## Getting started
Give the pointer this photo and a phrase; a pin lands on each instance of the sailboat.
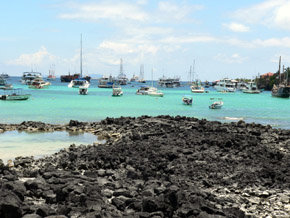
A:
(80, 82)
(282, 90)
(51, 74)
(196, 86)
(153, 91)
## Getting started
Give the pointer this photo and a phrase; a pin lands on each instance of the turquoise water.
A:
(59, 104)
(14, 143)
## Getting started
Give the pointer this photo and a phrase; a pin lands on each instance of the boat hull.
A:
(282, 92)
(15, 97)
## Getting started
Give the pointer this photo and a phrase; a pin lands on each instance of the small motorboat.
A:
(38, 83)
(14, 95)
(216, 103)
(187, 100)
(117, 90)
(83, 90)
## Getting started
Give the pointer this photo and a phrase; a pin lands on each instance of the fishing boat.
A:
(83, 90)
(251, 88)
(28, 77)
(80, 81)
(14, 95)
(106, 82)
(282, 90)
(4, 84)
(38, 83)
(187, 100)
(225, 85)
(216, 103)
(117, 90)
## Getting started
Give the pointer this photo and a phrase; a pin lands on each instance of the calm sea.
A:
(59, 104)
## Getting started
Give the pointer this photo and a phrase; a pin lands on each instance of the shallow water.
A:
(59, 104)
(14, 143)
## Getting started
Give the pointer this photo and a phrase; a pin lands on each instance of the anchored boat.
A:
(38, 83)
(251, 89)
(187, 100)
(14, 95)
(4, 84)
(216, 103)
(117, 90)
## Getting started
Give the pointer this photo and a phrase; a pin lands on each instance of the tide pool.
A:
(14, 143)
(59, 104)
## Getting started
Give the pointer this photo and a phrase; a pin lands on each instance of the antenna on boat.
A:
(81, 57)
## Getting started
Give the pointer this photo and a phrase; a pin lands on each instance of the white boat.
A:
(83, 90)
(28, 77)
(38, 83)
(187, 100)
(4, 75)
(80, 81)
(4, 84)
(117, 90)
(216, 103)
(106, 82)
(197, 87)
(77, 83)
(152, 90)
(14, 95)
(169, 82)
(144, 90)
(225, 85)
(251, 89)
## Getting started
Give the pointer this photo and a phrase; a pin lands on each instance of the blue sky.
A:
(225, 38)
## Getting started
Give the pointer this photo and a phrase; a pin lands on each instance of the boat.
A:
(83, 90)
(197, 87)
(187, 100)
(28, 77)
(121, 78)
(68, 78)
(282, 90)
(14, 95)
(242, 86)
(4, 84)
(251, 88)
(80, 81)
(106, 82)
(169, 82)
(225, 85)
(154, 91)
(216, 103)
(144, 90)
(51, 75)
(117, 90)
(4, 75)
(141, 76)
(38, 83)
(134, 78)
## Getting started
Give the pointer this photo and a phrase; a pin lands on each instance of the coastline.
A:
(153, 166)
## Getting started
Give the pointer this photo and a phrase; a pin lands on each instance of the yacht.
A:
(169, 82)
(77, 83)
(80, 81)
(4, 84)
(197, 87)
(117, 90)
(4, 75)
(28, 77)
(251, 89)
(225, 85)
(106, 82)
(38, 83)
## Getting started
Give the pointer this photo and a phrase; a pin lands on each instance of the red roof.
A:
(267, 74)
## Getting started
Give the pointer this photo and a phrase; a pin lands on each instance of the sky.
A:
(224, 38)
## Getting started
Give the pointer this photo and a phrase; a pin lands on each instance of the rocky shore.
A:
(153, 167)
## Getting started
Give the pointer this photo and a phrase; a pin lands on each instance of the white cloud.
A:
(188, 39)
(234, 58)
(33, 59)
(237, 27)
(272, 13)
(111, 11)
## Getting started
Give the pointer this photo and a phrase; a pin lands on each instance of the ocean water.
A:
(59, 104)
(14, 143)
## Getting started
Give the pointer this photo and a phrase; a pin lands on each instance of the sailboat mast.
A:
(280, 70)
(81, 59)
(152, 77)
